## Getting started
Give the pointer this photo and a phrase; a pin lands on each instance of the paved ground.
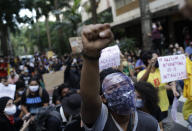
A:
(181, 125)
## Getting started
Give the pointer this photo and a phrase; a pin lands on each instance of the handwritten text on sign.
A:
(110, 57)
(8, 91)
(172, 68)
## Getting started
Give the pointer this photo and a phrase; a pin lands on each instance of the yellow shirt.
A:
(155, 80)
(187, 92)
(187, 109)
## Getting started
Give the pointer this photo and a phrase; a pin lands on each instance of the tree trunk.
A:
(4, 41)
(48, 32)
(56, 7)
(59, 31)
(94, 11)
(146, 24)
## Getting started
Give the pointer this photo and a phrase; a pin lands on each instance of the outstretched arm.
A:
(95, 38)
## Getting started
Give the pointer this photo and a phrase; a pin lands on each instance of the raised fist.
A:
(95, 38)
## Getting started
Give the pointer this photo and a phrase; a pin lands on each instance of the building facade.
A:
(126, 16)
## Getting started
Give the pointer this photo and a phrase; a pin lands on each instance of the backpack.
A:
(73, 124)
(43, 115)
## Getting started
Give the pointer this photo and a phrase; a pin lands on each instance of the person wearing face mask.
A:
(147, 99)
(7, 121)
(13, 77)
(20, 88)
(26, 77)
(152, 75)
(117, 90)
(33, 98)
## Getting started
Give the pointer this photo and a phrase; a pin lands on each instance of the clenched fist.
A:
(95, 38)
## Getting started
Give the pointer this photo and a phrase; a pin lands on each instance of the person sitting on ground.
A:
(70, 112)
(26, 77)
(20, 88)
(62, 91)
(34, 97)
(13, 77)
(62, 117)
(119, 113)
(7, 111)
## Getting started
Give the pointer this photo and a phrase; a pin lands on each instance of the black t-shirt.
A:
(33, 103)
(26, 79)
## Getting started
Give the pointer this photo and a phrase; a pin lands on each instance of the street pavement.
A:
(181, 124)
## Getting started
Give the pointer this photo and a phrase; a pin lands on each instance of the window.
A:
(122, 3)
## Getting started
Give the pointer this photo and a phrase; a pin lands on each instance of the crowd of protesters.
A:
(145, 105)
(31, 95)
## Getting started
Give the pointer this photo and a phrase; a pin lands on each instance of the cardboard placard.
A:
(8, 91)
(76, 45)
(172, 68)
(110, 57)
(53, 79)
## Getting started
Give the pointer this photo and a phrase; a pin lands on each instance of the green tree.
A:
(71, 20)
(42, 8)
(9, 20)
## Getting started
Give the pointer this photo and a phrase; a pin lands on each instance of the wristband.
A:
(90, 57)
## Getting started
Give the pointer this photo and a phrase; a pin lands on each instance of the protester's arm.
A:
(23, 105)
(45, 98)
(146, 74)
(148, 70)
(95, 38)
(25, 125)
(172, 87)
(24, 109)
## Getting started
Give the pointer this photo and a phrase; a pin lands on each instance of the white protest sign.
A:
(110, 57)
(8, 91)
(172, 68)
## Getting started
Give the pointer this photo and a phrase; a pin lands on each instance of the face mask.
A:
(139, 103)
(34, 88)
(10, 110)
(20, 93)
(119, 92)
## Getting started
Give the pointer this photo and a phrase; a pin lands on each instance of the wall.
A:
(131, 11)
(103, 5)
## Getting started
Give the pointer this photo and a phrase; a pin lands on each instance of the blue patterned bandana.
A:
(118, 89)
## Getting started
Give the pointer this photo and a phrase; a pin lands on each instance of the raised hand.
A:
(95, 38)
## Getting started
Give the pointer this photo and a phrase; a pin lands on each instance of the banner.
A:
(8, 91)
(110, 57)
(76, 45)
(172, 68)
(53, 79)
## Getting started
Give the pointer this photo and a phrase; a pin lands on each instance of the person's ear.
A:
(103, 99)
